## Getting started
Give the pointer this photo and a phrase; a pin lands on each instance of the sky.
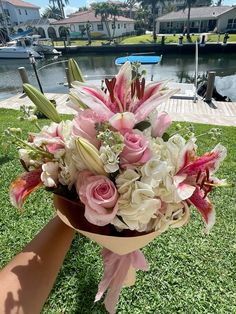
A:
(75, 4)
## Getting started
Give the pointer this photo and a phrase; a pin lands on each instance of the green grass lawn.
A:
(190, 273)
(147, 39)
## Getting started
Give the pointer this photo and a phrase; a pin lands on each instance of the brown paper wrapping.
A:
(72, 214)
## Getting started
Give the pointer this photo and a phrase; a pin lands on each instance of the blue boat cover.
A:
(138, 58)
(21, 34)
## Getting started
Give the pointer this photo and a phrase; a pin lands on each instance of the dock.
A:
(214, 113)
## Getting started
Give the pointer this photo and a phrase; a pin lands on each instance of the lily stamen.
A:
(110, 86)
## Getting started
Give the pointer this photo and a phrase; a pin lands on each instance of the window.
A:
(124, 25)
(6, 11)
(26, 13)
(81, 27)
(19, 11)
(113, 26)
(231, 23)
(100, 27)
(118, 26)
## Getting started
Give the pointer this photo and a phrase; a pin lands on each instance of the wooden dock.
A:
(216, 113)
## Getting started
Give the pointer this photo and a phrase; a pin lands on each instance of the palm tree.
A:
(153, 4)
(104, 10)
(60, 4)
(189, 4)
(114, 11)
(131, 4)
(52, 12)
(141, 18)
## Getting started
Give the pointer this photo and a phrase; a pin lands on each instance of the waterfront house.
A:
(41, 26)
(78, 23)
(202, 19)
(17, 12)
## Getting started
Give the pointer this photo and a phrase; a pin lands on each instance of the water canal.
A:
(178, 68)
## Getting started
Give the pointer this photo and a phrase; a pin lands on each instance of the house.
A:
(202, 19)
(78, 23)
(41, 26)
(17, 12)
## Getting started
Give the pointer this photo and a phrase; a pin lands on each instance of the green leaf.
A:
(165, 137)
(143, 125)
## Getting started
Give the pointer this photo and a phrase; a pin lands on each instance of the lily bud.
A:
(89, 155)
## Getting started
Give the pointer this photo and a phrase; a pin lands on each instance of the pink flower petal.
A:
(205, 208)
(208, 161)
(22, 186)
(149, 91)
(123, 80)
(151, 103)
(161, 124)
(185, 191)
(92, 97)
(123, 121)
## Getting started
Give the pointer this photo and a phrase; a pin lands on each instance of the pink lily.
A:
(194, 181)
(122, 94)
(161, 124)
(51, 136)
(23, 185)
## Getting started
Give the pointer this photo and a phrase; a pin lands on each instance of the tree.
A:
(114, 11)
(141, 18)
(131, 4)
(52, 12)
(104, 10)
(60, 4)
(189, 4)
(154, 9)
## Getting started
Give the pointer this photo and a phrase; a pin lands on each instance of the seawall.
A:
(188, 48)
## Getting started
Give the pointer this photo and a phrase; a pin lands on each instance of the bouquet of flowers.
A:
(117, 176)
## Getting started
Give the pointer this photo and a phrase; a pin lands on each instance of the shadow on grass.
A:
(77, 282)
(5, 159)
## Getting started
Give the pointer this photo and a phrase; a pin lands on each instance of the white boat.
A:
(43, 45)
(17, 50)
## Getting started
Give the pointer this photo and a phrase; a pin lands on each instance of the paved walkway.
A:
(217, 113)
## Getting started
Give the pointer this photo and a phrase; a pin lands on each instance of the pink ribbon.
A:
(115, 271)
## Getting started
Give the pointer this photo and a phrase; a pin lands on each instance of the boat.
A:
(43, 45)
(18, 49)
(141, 58)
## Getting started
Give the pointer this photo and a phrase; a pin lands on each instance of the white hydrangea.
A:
(137, 206)
(68, 171)
(109, 159)
(155, 171)
(49, 175)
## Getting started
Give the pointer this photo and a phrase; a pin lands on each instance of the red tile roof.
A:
(85, 16)
(23, 4)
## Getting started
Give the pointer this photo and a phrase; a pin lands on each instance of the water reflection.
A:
(178, 68)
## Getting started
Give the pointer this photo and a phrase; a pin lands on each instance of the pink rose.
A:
(136, 150)
(84, 126)
(99, 195)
